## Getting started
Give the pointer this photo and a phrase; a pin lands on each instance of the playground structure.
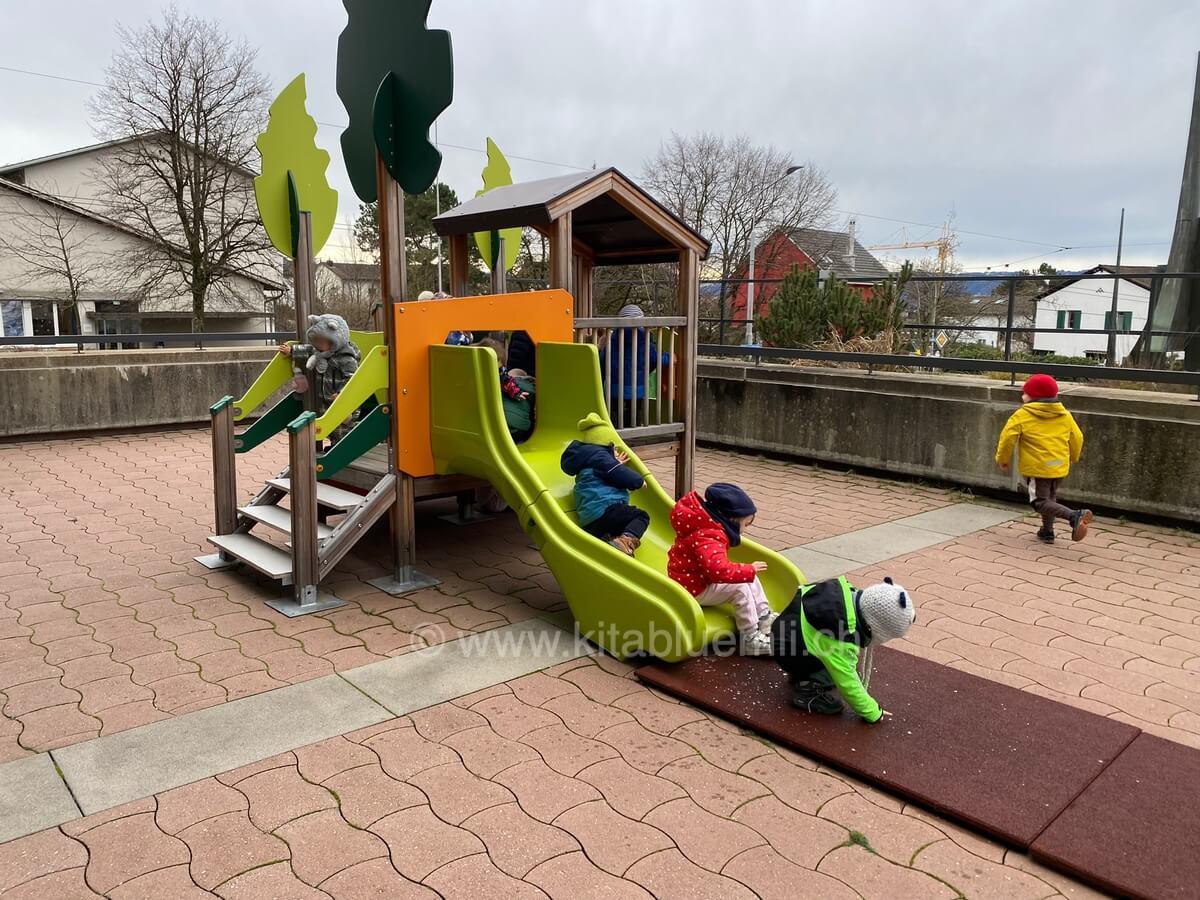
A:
(437, 411)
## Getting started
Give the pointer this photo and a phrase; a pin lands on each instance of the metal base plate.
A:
(471, 519)
(415, 581)
(292, 609)
(215, 561)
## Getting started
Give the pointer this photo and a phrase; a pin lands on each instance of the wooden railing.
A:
(639, 366)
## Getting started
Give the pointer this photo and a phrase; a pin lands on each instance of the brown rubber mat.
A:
(1135, 830)
(1000, 760)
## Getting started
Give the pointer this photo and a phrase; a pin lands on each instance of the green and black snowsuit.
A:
(823, 631)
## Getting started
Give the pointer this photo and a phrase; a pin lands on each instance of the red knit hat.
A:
(1040, 387)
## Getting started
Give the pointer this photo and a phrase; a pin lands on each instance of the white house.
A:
(52, 219)
(1081, 304)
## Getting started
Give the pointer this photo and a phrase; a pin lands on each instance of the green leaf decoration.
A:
(394, 76)
(293, 174)
(497, 174)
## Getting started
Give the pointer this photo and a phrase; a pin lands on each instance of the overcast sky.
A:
(1034, 122)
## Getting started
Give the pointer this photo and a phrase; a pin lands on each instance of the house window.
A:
(117, 318)
(1124, 321)
(1069, 320)
(45, 317)
(12, 318)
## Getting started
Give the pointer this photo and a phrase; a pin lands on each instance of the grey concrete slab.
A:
(129, 765)
(962, 518)
(868, 546)
(445, 671)
(32, 796)
(818, 566)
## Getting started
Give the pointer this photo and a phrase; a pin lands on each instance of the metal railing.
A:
(137, 340)
(637, 365)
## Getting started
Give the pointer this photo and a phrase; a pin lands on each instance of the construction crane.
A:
(945, 244)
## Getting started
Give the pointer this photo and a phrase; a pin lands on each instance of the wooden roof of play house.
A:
(612, 220)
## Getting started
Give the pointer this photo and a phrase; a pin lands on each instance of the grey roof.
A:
(353, 271)
(613, 232)
(89, 148)
(1139, 275)
(523, 203)
(828, 250)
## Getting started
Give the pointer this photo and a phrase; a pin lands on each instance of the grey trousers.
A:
(1043, 497)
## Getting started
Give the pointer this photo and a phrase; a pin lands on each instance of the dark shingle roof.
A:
(354, 271)
(828, 250)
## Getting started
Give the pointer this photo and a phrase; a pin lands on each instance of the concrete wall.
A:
(1140, 449)
(46, 393)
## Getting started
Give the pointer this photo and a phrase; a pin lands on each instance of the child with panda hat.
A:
(824, 640)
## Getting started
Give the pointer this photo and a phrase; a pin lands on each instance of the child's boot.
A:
(755, 643)
(1080, 520)
(766, 620)
(625, 544)
(815, 696)
(1046, 535)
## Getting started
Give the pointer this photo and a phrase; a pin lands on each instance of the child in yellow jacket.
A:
(1048, 442)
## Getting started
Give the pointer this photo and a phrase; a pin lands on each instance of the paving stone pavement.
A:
(107, 624)
(572, 782)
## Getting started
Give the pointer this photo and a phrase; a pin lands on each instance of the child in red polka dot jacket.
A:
(705, 529)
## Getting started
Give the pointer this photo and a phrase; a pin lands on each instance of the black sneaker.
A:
(1046, 537)
(811, 698)
(1080, 520)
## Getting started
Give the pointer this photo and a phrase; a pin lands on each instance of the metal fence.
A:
(148, 340)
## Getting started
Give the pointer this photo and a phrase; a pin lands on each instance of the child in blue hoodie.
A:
(602, 486)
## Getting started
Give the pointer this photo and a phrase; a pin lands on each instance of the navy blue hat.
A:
(730, 500)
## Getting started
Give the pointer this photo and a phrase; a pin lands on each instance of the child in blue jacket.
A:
(602, 485)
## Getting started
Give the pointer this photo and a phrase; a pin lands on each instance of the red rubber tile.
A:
(1000, 760)
(1134, 830)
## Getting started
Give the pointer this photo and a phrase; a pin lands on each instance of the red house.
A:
(809, 248)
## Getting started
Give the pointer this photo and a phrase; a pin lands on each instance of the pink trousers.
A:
(749, 602)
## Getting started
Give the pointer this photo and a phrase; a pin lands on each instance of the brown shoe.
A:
(624, 544)
(1079, 524)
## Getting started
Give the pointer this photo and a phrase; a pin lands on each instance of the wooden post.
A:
(224, 466)
(393, 291)
(305, 289)
(561, 254)
(498, 271)
(302, 459)
(584, 303)
(460, 263)
(687, 301)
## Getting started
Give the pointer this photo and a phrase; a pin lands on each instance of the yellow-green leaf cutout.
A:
(289, 145)
(497, 174)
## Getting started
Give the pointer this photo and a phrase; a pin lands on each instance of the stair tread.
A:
(327, 494)
(279, 518)
(256, 553)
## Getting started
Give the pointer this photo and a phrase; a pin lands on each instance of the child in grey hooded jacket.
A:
(327, 361)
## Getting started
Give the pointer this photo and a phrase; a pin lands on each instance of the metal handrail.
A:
(176, 338)
(953, 363)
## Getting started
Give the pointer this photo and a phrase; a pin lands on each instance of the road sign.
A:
(942, 340)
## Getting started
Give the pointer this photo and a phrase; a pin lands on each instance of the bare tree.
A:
(192, 95)
(56, 247)
(731, 190)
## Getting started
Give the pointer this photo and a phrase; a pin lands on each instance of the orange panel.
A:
(545, 315)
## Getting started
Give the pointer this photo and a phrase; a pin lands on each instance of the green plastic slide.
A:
(626, 605)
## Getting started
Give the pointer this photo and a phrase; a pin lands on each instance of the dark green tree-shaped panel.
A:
(386, 51)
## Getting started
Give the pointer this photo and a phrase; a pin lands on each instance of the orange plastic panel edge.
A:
(545, 315)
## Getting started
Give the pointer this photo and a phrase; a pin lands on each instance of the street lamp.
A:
(750, 309)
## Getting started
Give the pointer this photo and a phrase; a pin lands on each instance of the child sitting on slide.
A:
(705, 529)
(328, 361)
(826, 635)
(602, 485)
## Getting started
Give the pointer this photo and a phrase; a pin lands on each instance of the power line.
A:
(47, 75)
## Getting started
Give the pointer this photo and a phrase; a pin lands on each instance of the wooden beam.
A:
(561, 254)
(460, 265)
(584, 302)
(649, 452)
(688, 303)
